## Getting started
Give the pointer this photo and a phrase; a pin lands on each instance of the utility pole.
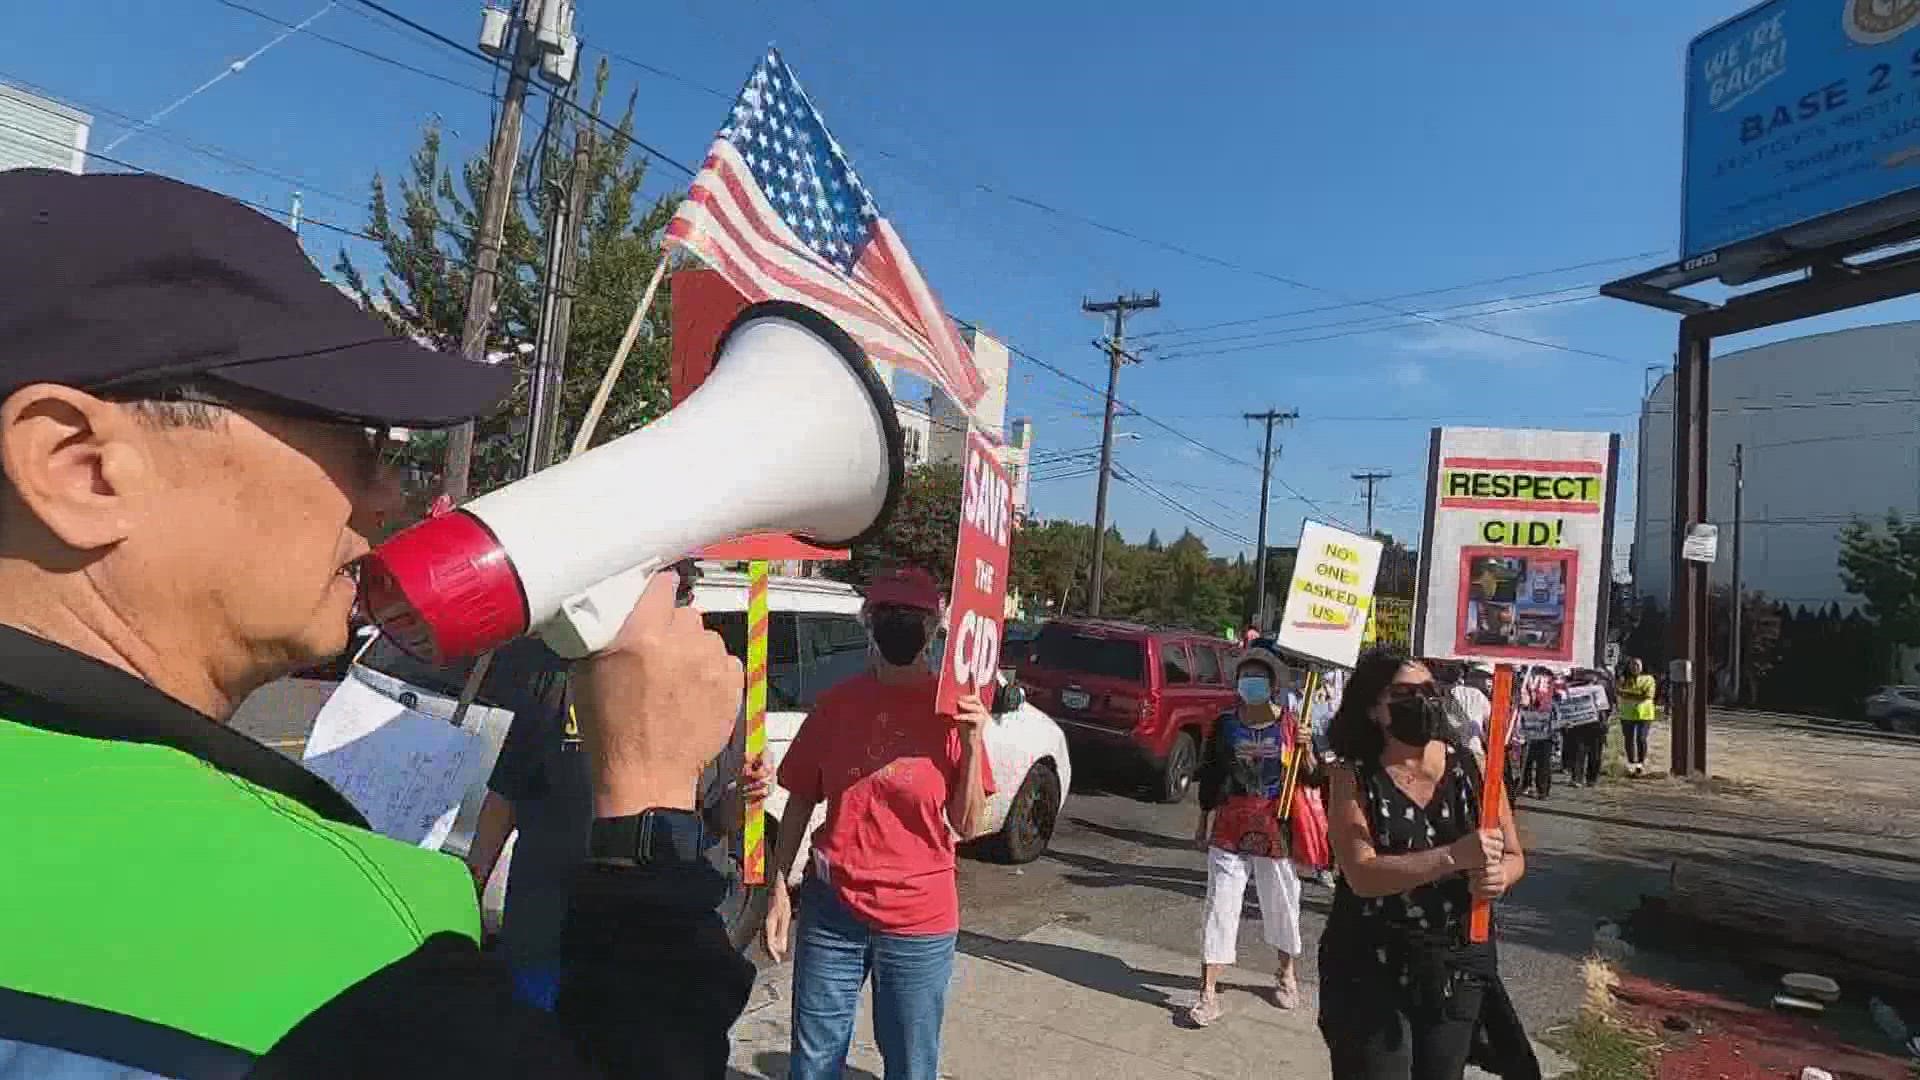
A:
(1270, 418)
(556, 307)
(1115, 346)
(1370, 479)
(1734, 627)
(525, 46)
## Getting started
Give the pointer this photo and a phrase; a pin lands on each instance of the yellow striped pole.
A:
(754, 844)
(1290, 781)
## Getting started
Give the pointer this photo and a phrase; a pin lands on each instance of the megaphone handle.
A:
(587, 622)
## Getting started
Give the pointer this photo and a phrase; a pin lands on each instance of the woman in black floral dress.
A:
(1403, 994)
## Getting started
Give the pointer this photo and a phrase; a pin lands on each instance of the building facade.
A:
(40, 133)
(1828, 428)
(934, 429)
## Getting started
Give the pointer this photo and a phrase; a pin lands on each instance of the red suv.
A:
(1152, 693)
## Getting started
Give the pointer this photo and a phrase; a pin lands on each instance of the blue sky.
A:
(1365, 152)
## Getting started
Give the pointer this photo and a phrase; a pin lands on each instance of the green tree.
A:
(426, 235)
(1052, 561)
(1881, 565)
(923, 532)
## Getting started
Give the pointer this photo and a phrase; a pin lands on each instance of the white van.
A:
(814, 640)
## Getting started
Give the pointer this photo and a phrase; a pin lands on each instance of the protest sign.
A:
(1390, 622)
(972, 659)
(1518, 528)
(1330, 595)
(1580, 706)
(405, 766)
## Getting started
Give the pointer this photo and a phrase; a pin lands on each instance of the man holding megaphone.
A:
(192, 434)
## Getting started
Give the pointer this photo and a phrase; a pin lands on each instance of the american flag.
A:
(779, 212)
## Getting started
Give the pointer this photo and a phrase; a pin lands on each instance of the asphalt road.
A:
(1123, 868)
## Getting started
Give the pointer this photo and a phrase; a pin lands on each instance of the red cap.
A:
(907, 587)
(444, 589)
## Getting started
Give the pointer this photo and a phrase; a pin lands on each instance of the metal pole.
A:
(1688, 594)
(556, 305)
(1735, 617)
(501, 161)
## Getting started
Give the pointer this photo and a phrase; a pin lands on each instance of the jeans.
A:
(1635, 733)
(539, 987)
(833, 955)
(1537, 770)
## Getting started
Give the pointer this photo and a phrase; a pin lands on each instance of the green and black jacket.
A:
(177, 900)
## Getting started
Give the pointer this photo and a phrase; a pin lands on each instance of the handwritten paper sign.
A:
(1581, 706)
(1330, 595)
(972, 659)
(407, 770)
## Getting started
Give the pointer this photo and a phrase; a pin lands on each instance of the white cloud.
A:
(1457, 337)
(1409, 374)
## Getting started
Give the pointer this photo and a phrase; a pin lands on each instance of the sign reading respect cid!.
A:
(979, 579)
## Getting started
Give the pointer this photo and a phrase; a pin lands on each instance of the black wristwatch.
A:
(650, 838)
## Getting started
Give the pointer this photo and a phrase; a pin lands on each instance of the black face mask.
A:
(900, 636)
(1416, 721)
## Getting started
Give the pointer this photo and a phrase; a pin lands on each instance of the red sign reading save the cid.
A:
(979, 601)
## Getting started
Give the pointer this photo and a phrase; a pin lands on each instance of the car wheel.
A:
(744, 910)
(1030, 820)
(1908, 724)
(1176, 776)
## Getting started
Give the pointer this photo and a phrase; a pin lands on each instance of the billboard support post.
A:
(1822, 290)
(1687, 629)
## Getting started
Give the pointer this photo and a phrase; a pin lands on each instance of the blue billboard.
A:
(1796, 110)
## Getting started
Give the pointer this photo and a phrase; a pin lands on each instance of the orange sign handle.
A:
(1493, 785)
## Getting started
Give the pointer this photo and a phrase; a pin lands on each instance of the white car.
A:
(814, 640)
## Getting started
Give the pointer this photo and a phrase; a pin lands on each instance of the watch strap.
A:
(653, 837)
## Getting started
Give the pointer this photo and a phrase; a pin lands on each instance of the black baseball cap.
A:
(127, 279)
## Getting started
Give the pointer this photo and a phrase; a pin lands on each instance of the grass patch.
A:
(1601, 1045)
(1603, 1049)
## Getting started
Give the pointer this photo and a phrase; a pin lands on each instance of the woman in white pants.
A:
(1242, 774)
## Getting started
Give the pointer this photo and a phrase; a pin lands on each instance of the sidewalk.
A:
(1061, 1003)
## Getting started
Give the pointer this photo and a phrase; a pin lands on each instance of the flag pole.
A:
(584, 437)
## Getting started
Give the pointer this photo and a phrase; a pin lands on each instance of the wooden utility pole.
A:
(556, 308)
(1115, 345)
(526, 51)
(1371, 479)
(1270, 418)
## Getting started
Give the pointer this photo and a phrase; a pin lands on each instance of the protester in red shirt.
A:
(879, 894)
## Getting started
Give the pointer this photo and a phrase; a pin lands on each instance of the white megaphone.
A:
(792, 433)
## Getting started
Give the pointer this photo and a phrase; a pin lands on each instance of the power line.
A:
(1374, 324)
(1294, 282)
(206, 150)
(1133, 480)
(1345, 302)
(1482, 283)
(352, 48)
(226, 71)
(578, 109)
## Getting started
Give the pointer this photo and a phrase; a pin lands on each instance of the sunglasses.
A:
(1412, 692)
